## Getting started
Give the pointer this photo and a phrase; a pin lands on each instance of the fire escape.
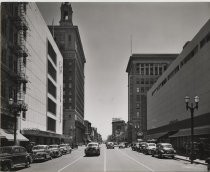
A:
(21, 51)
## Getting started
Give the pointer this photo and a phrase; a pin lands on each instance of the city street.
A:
(112, 160)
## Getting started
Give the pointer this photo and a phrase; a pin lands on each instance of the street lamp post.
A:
(192, 108)
(16, 109)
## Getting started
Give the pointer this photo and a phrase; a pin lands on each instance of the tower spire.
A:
(66, 14)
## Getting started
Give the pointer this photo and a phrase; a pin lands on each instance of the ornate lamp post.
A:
(16, 108)
(192, 108)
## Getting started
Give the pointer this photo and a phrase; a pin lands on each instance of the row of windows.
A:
(150, 68)
(52, 53)
(146, 81)
(143, 89)
(194, 51)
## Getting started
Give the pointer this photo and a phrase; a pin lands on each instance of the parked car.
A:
(110, 145)
(135, 146)
(164, 150)
(121, 145)
(65, 148)
(41, 152)
(13, 156)
(92, 149)
(56, 152)
(141, 147)
(149, 147)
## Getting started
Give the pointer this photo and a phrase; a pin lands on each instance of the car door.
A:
(16, 155)
(22, 155)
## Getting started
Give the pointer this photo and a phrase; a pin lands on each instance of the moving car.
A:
(121, 145)
(164, 150)
(41, 152)
(149, 147)
(13, 156)
(110, 145)
(92, 149)
(55, 151)
(65, 148)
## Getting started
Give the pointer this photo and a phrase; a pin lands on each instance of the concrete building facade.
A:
(143, 71)
(118, 130)
(68, 40)
(43, 69)
(188, 75)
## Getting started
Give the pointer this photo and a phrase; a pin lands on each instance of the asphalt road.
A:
(112, 160)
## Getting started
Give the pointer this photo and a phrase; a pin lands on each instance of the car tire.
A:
(27, 163)
(160, 155)
(172, 156)
(6, 167)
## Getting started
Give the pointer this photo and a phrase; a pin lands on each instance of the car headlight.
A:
(162, 151)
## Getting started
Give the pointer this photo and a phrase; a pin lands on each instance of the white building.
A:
(44, 93)
(188, 75)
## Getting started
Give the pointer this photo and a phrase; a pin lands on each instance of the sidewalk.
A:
(197, 161)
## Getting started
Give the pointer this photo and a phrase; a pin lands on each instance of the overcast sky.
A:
(106, 29)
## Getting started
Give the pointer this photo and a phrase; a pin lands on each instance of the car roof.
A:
(93, 143)
(165, 143)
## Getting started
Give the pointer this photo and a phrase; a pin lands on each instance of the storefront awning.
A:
(9, 135)
(197, 131)
(156, 135)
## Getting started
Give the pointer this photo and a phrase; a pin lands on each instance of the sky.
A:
(106, 30)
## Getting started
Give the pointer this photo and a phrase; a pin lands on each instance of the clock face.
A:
(60, 67)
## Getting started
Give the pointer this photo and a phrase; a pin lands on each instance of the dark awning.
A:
(197, 131)
(156, 135)
(9, 135)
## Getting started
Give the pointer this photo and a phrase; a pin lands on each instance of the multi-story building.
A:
(118, 129)
(143, 71)
(188, 75)
(87, 131)
(32, 71)
(68, 40)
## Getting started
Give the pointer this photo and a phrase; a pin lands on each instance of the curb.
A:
(197, 162)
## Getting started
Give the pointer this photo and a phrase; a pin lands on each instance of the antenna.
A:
(53, 27)
(131, 44)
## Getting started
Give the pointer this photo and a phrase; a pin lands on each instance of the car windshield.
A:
(53, 146)
(39, 147)
(167, 146)
(151, 144)
(5, 150)
(92, 145)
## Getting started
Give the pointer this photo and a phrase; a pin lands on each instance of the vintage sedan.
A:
(164, 150)
(56, 151)
(149, 147)
(12, 157)
(65, 148)
(41, 152)
(92, 149)
(110, 145)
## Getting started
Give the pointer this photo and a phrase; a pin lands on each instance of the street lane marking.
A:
(104, 159)
(137, 161)
(70, 164)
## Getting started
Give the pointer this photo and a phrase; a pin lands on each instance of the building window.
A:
(137, 90)
(52, 53)
(51, 88)
(142, 89)
(142, 80)
(51, 70)
(138, 98)
(137, 105)
(70, 85)
(51, 124)
(69, 38)
(51, 106)
(24, 115)
(137, 114)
